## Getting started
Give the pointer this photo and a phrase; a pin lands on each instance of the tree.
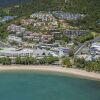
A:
(52, 59)
(48, 60)
(18, 60)
(93, 65)
(71, 53)
(65, 38)
(80, 63)
(26, 60)
(93, 34)
(43, 60)
(66, 62)
(5, 61)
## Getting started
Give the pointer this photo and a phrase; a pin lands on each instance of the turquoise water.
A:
(39, 86)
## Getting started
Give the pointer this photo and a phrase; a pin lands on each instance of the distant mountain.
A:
(4, 3)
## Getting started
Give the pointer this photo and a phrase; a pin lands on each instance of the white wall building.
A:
(59, 51)
(13, 52)
(43, 16)
(95, 48)
(15, 28)
(12, 38)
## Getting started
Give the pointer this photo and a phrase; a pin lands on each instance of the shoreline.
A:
(58, 69)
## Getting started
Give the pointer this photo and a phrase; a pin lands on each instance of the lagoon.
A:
(35, 85)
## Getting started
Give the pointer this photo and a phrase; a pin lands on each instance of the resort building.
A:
(13, 52)
(6, 18)
(95, 48)
(38, 24)
(40, 52)
(43, 16)
(36, 37)
(27, 21)
(59, 51)
(47, 46)
(75, 32)
(16, 39)
(46, 38)
(15, 28)
(67, 15)
(55, 32)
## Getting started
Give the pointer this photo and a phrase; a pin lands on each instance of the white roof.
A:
(40, 52)
(15, 51)
(14, 38)
(96, 44)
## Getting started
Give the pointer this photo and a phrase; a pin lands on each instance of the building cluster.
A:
(91, 53)
(34, 34)
(60, 51)
(29, 21)
(43, 16)
(41, 20)
(16, 29)
(12, 38)
(67, 15)
(23, 34)
(95, 48)
(75, 32)
(6, 18)
(32, 22)
(38, 52)
(13, 52)
(37, 37)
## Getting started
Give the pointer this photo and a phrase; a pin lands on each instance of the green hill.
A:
(91, 8)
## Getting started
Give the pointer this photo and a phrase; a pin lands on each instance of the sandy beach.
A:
(70, 71)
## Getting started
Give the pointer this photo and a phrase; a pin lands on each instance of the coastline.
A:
(68, 71)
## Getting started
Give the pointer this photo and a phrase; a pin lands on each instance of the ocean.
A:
(30, 85)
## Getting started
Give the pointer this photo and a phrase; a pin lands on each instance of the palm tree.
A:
(66, 62)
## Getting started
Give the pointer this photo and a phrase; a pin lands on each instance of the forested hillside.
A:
(91, 8)
(81, 6)
(5, 3)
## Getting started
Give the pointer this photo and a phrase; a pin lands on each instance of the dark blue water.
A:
(4, 3)
(39, 86)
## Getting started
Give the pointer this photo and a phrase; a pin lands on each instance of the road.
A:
(81, 46)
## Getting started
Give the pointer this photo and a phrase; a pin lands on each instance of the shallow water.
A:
(32, 85)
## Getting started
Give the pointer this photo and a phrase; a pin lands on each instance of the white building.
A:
(41, 52)
(59, 51)
(13, 52)
(43, 16)
(12, 38)
(95, 48)
(15, 28)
